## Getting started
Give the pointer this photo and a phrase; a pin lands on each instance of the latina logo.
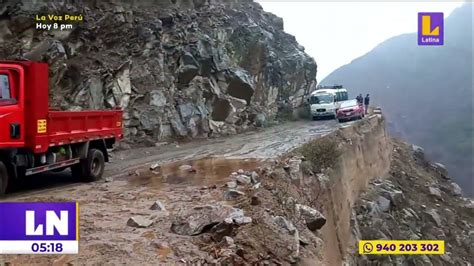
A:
(430, 28)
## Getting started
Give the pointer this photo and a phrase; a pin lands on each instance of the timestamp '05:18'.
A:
(47, 247)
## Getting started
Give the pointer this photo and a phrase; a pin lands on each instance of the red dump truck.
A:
(36, 139)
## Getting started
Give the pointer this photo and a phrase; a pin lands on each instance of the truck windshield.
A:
(322, 98)
(5, 96)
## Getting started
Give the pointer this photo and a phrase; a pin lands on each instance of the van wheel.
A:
(90, 169)
(3, 178)
(315, 118)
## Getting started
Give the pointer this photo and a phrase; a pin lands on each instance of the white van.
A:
(325, 102)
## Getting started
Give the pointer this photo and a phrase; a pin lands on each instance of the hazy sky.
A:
(335, 33)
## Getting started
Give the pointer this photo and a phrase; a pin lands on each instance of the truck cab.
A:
(36, 139)
(12, 130)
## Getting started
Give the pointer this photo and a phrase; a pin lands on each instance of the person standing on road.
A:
(366, 103)
(359, 98)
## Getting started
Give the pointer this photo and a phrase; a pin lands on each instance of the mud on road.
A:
(188, 176)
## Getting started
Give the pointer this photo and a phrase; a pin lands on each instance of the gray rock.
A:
(432, 216)
(186, 111)
(441, 169)
(193, 221)
(223, 229)
(396, 197)
(254, 177)
(285, 224)
(157, 98)
(227, 241)
(178, 127)
(435, 192)
(313, 218)
(243, 179)
(419, 152)
(241, 85)
(383, 204)
(260, 120)
(158, 206)
(187, 73)
(231, 184)
(294, 165)
(456, 189)
(242, 220)
(185, 167)
(139, 222)
(233, 194)
(154, 166)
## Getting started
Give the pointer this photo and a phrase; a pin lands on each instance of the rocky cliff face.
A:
(417, 200)
(178, 68)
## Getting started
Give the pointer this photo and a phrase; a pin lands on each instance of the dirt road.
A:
(260, 144)
(131, 188)
(263, 143)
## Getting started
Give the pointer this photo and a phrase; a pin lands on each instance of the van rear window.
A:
(4, 87)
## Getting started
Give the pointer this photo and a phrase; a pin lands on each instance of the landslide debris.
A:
(178, 68)
(416, 201)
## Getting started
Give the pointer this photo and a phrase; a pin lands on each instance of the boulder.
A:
(178, 127)
(195, 220)
(285, 224)
(396, 197)
(227, 241)
(221, 109)
(139, 222)
(222, 229)
(233, 194)
(441, 169)
(433, 217)
(240, 85)
(383, 204)
(295, 168)
(158, 206)
(260, 120)
(456, 189)
(157, 98)
(155, 166)
(254, 177)
(231, 184)
(120, 88)
(186, 73)
(435, 192)
(418, 152)
(243, 179)
(313, 218)
(241, 220)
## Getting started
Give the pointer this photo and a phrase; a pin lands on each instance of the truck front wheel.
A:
(3, 178)
(92, 168)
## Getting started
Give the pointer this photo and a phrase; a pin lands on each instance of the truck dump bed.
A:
(65, 127)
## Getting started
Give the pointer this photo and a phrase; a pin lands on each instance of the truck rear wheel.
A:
(3, 178)
(92, 168)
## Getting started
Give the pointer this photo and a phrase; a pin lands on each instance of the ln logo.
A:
(48, 221)
(430, 28)
(52, 222)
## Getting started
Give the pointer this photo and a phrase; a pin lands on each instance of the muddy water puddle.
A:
(201, 172)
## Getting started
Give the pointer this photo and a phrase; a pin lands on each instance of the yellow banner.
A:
(407, 247)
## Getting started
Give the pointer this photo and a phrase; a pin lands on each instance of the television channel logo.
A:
(39, 227)
(430, 28)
